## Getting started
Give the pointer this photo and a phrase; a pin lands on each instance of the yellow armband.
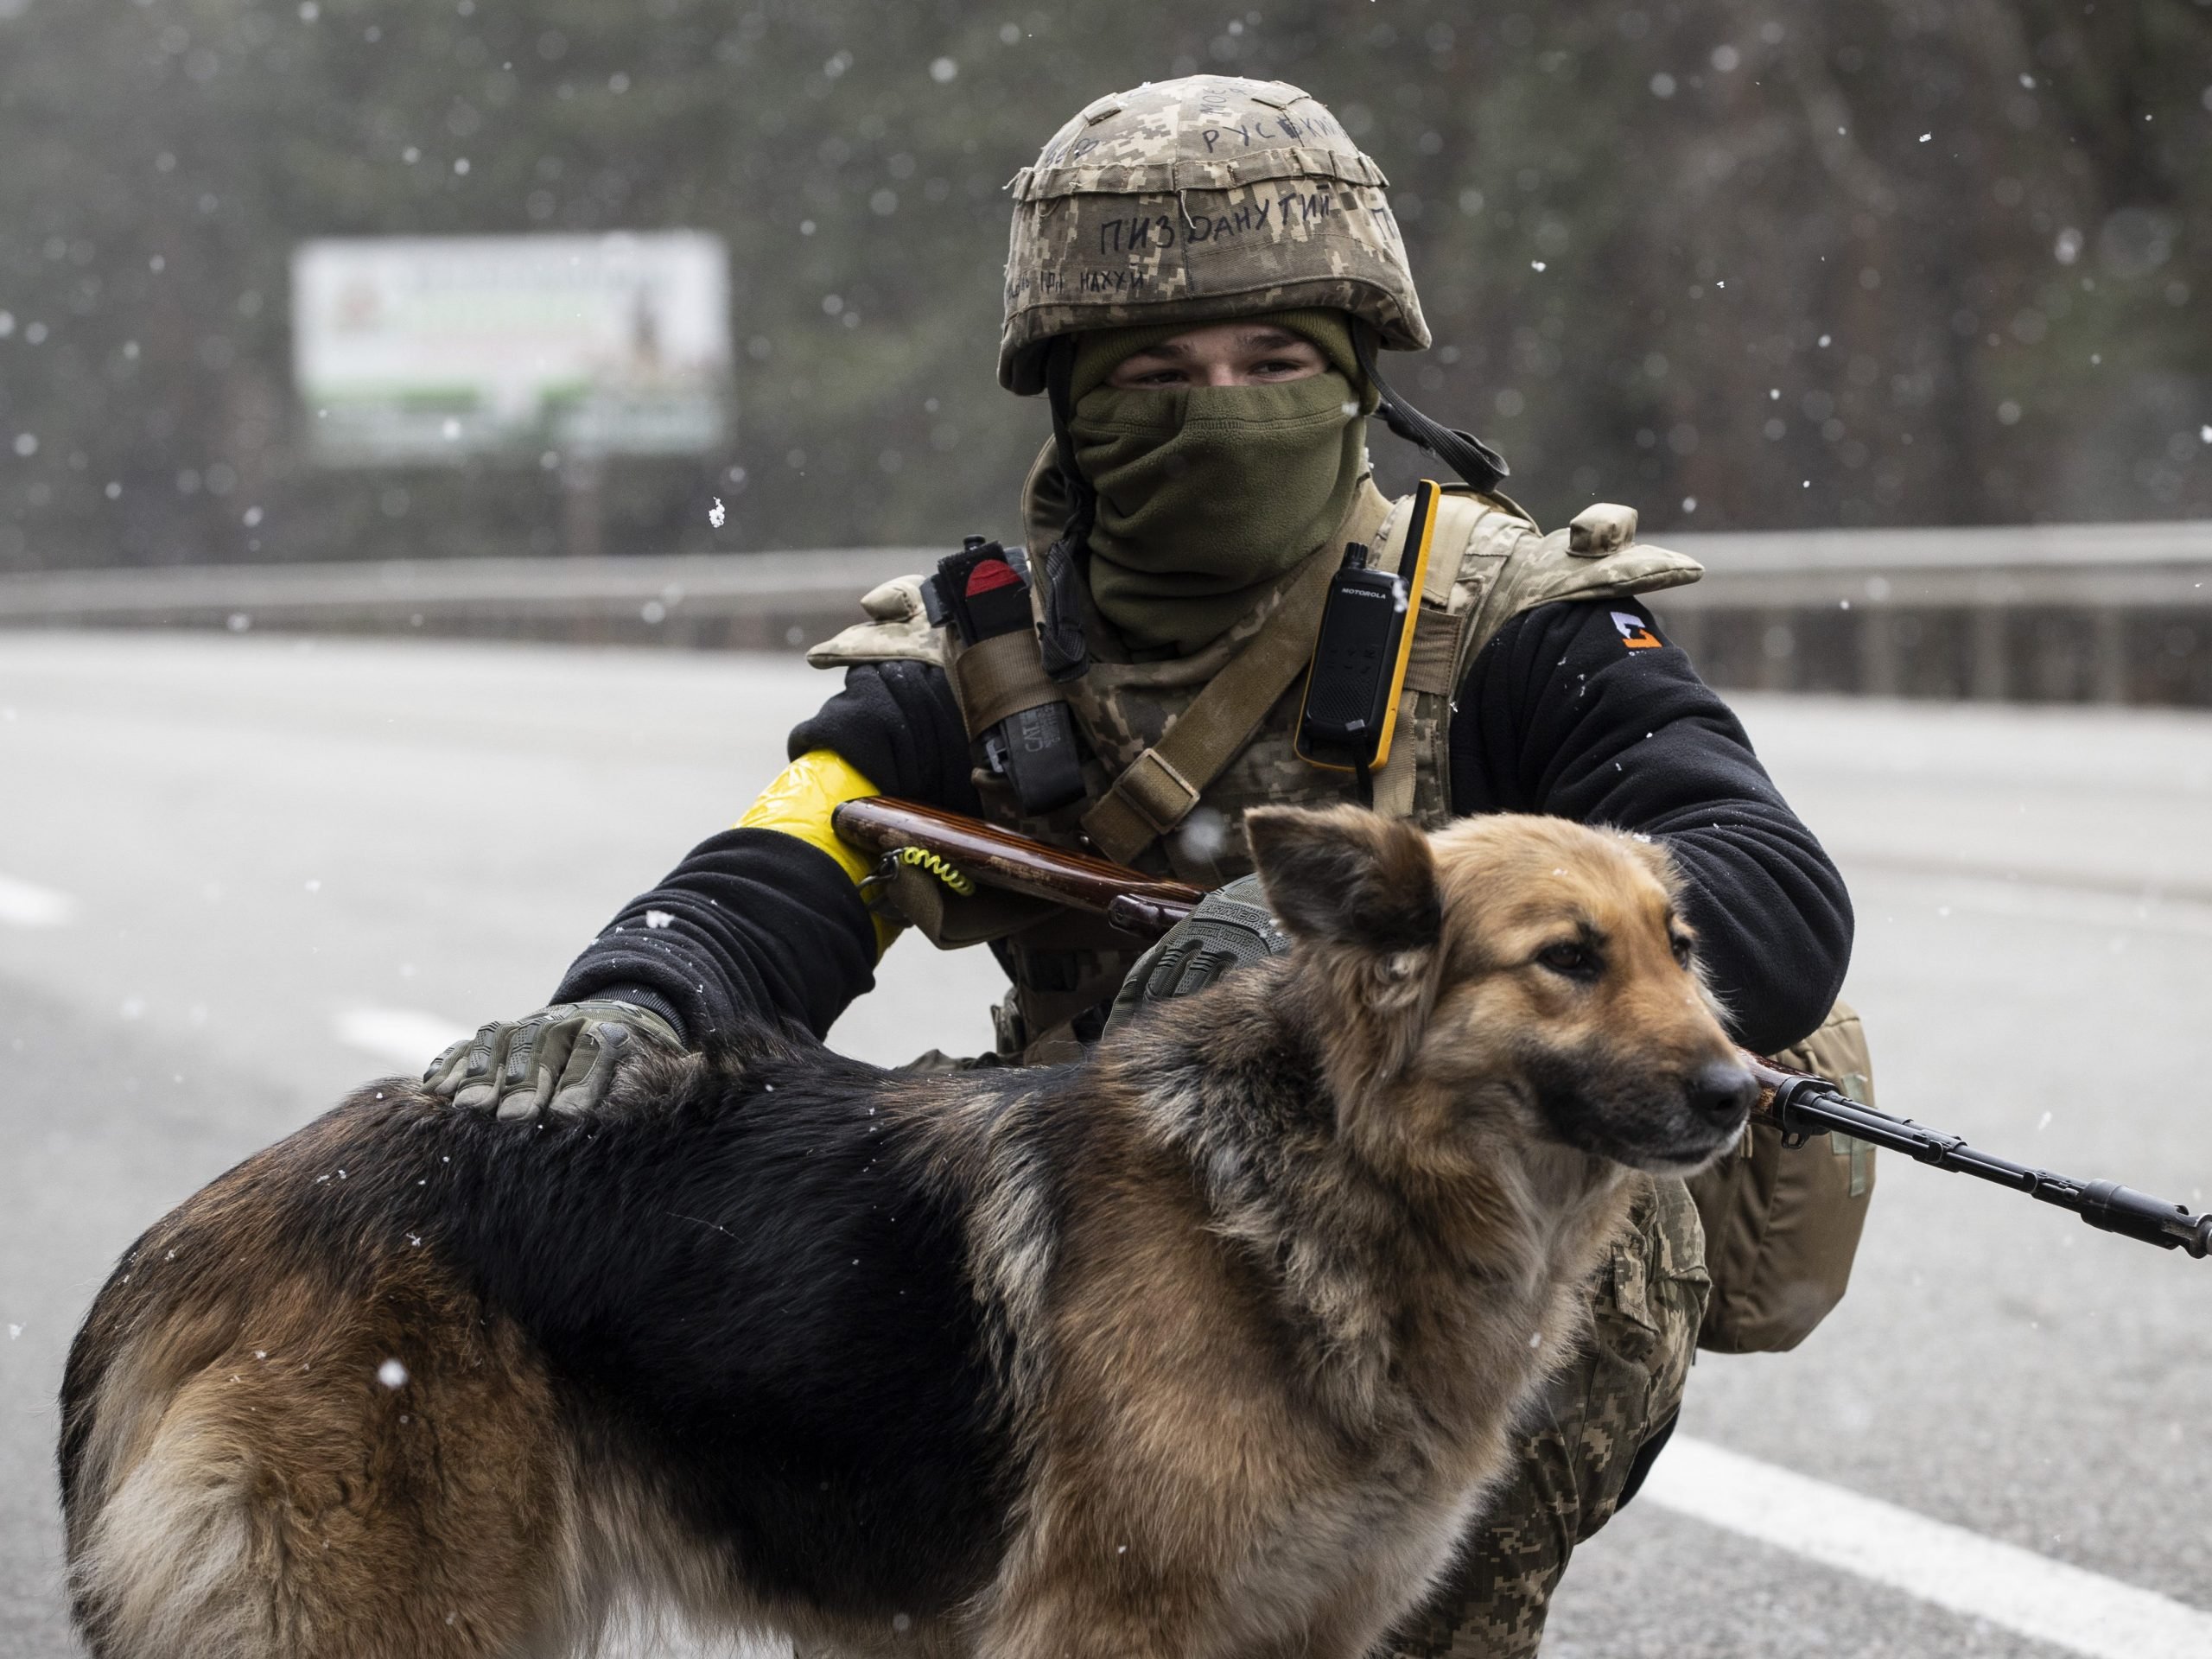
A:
(800, 803)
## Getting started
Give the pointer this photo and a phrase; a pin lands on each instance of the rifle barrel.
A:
(1804, 1106)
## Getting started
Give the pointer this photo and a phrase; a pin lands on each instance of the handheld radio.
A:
(1366, 637)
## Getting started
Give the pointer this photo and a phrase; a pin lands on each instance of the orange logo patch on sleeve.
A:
(1633, 633)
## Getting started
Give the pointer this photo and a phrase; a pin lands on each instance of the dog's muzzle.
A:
(1722, 1094)
(1717, 1100)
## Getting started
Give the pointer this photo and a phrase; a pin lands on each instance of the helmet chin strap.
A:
(1463, 452)
(1060, 640)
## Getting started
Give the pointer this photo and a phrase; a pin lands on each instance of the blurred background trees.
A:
(1740, 263)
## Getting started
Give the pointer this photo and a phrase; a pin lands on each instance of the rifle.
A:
(1800, 1105)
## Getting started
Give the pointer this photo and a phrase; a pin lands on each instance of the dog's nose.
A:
(1722, 1091)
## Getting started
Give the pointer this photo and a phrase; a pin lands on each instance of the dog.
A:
(1208, 1344)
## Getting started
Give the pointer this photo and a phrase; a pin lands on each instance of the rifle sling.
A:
(1157, 790)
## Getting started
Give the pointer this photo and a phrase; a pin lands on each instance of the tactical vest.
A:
(1785, 1228)
(1174, 804)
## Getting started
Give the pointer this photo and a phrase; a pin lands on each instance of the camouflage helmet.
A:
(1208, 197)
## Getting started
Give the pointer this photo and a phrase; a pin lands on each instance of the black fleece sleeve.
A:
(1581, 710)
(756, 923)
(899, 724)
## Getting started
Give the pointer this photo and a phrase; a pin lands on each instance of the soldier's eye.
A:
(1575, 961)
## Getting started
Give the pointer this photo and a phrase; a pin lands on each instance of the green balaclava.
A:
(1209, 494)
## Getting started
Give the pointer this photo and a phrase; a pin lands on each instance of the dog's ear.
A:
(1343, 875)
(1359, 894)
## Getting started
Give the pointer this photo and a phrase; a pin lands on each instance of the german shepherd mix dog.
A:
(1207, 1345)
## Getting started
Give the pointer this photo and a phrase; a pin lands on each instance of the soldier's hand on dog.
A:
(1231, 927)
(564, 1057)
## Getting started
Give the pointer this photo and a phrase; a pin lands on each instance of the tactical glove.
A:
(565, 1056)
(1231, 926)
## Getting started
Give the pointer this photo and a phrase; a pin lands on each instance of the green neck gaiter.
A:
(1208, 494)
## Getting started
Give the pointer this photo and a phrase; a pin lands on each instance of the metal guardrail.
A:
(2079, 612)
(1985, 564)
(713, 600)
(2042, 612)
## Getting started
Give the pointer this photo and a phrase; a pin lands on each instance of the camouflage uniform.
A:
(1195, 200)
(1487, 564)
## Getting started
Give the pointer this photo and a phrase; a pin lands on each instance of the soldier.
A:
(1200, 273)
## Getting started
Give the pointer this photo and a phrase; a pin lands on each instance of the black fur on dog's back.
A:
(740, 1267)
(725, 1274)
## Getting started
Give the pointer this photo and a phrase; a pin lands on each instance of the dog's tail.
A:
(170, 1551)
(287, 1429)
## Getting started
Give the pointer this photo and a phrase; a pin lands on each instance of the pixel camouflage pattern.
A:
(1207, 197)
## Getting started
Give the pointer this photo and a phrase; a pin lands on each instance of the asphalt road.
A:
(238, 874)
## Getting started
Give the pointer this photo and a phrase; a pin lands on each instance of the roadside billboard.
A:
(415, 349)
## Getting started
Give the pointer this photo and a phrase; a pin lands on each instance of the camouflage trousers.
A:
(1577, 1453)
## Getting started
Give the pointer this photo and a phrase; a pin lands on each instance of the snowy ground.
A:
(239, 875)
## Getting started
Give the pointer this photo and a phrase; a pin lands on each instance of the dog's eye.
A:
(1683, 949)
(1575, 961)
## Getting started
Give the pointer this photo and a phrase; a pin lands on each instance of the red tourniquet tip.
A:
(990, 574)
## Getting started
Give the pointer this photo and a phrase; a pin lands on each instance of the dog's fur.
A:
(1208, 1345)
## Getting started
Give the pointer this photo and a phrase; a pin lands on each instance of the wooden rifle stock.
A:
(1132, 900)
(1802, 1106)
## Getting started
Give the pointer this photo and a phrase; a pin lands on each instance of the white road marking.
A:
(22, 903)
(2038, 1598)
(406, 1038)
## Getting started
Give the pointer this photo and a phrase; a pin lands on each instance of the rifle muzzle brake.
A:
(2118, 1209)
